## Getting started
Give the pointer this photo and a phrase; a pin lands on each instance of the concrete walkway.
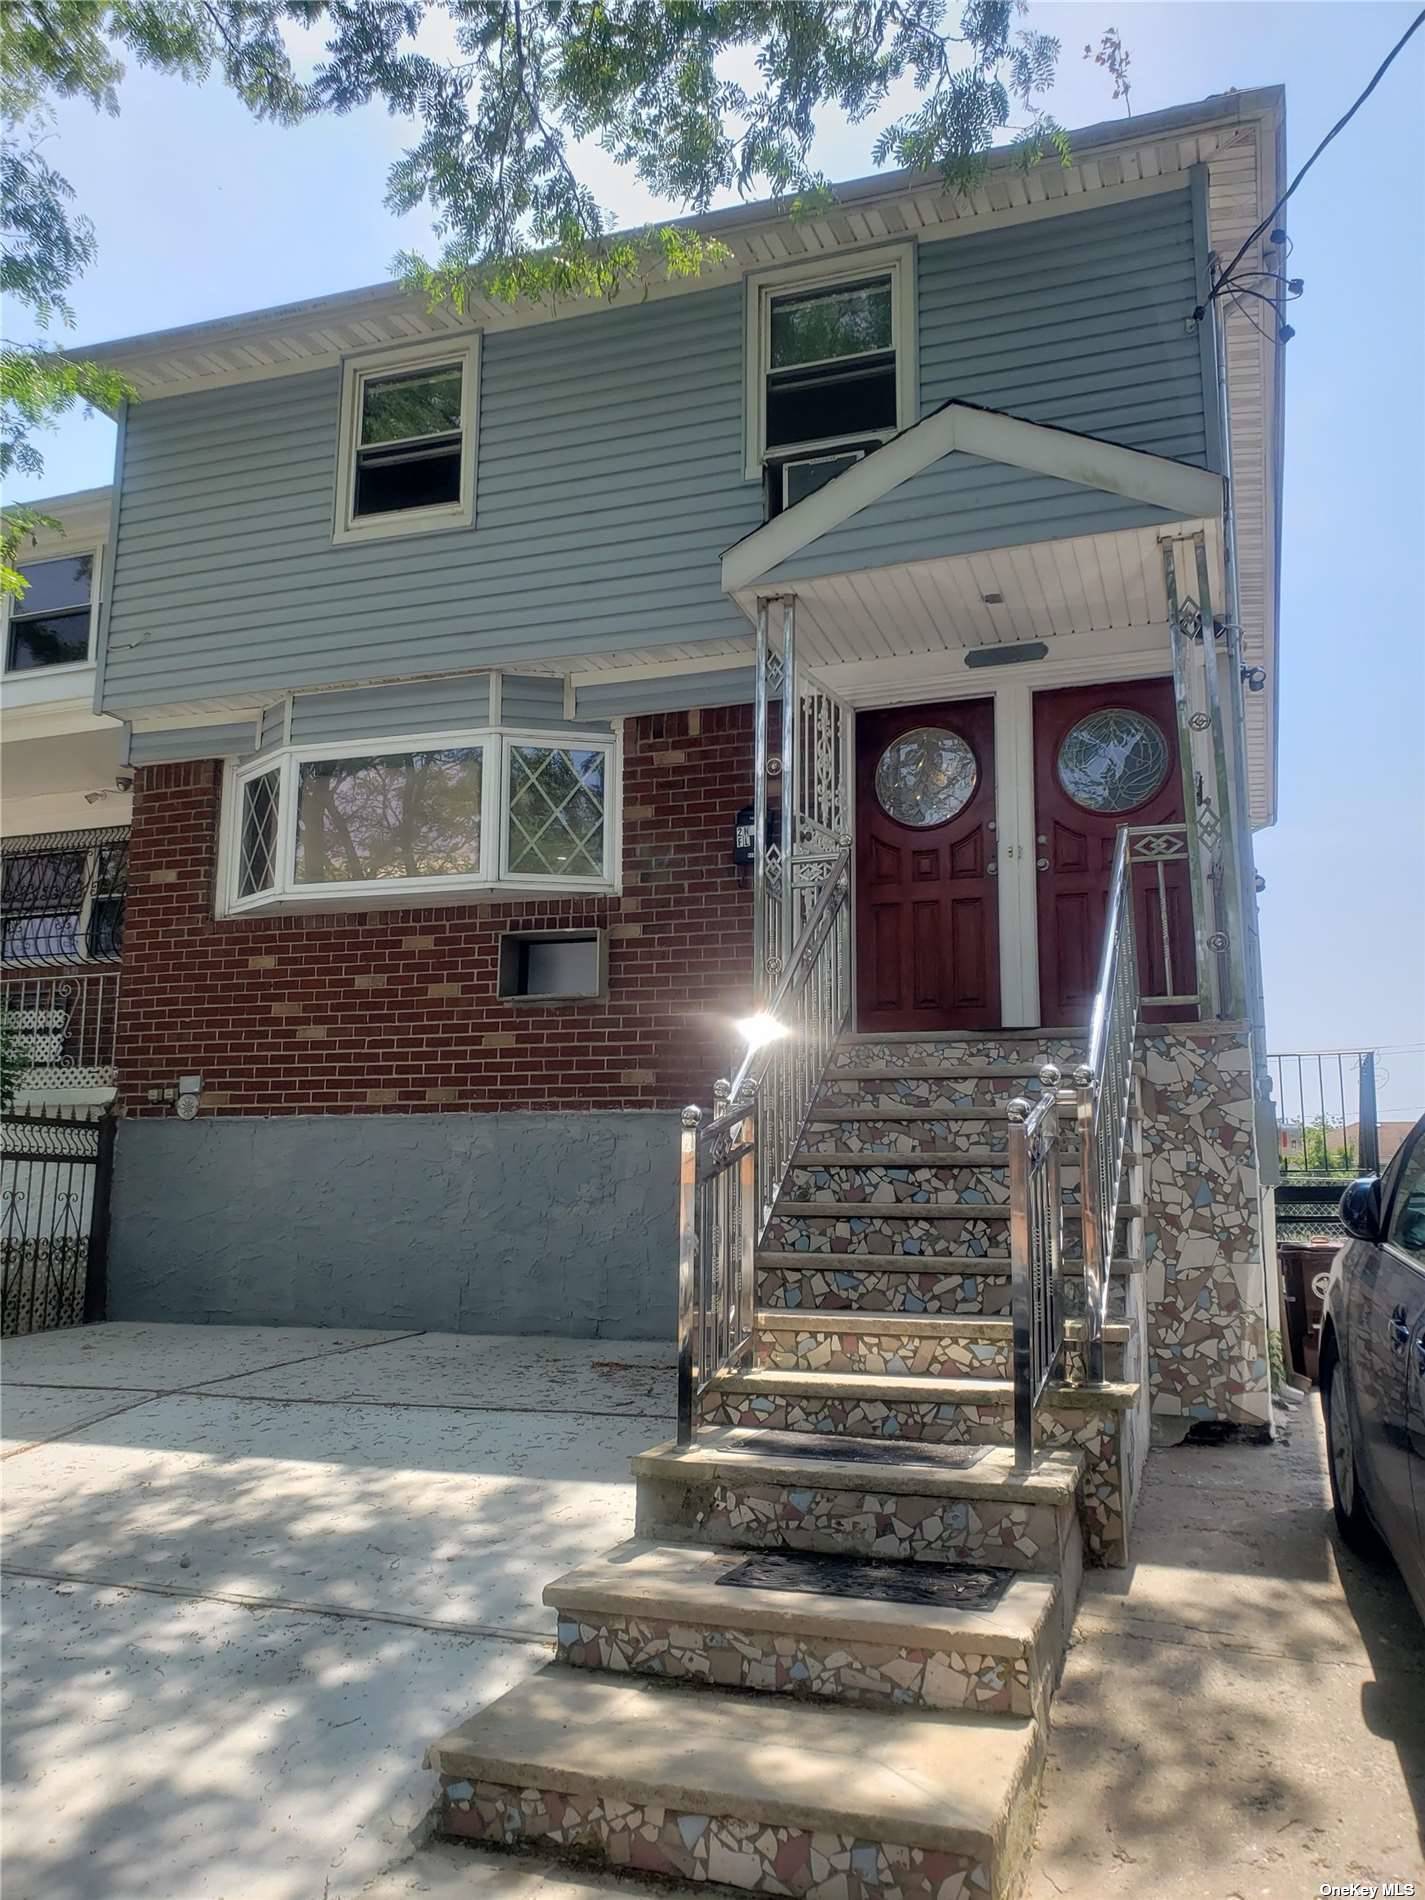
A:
(250, 1572)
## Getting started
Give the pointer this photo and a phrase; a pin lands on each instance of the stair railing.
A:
(1036, 1251)
(732, 1166)
(1103, 1098)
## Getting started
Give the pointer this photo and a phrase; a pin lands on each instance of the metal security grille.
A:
(63, 897)
(54, 1218)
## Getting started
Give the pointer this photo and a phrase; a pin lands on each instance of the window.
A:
(1407, 1206)
(407, 462)
(63, 898)
(50, 624)
(434, 818)
(831, 359)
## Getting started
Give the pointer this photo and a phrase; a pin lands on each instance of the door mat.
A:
(948, 1586)
(857, 1451)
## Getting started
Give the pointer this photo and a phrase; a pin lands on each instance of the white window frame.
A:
(894, 260)
(356, 372)
(491, 880)
(9, 608)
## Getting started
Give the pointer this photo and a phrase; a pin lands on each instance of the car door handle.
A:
(1398, 1328)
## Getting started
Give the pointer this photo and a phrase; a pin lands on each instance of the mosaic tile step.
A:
(905, 1131)
(923, 1504)
(903, 1283)
(663, 1610)
(974, 1348)
(927, 1088)
(911, 1051)
(922, 1229)
(767, 1795)
(855, 1180)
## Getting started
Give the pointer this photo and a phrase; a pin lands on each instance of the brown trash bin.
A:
(1305, 1270)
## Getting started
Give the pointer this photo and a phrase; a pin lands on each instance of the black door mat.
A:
(948, 1586)
(858, 1451)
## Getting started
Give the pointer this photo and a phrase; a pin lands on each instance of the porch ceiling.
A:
(1110, 584)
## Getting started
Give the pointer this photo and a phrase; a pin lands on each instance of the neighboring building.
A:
(439, 643)
(64, 820)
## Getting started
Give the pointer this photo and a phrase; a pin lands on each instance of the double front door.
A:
(932, 882)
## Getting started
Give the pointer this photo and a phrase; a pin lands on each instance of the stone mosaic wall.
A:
(753, 1855)
(1206, 1284)
(868, 1673)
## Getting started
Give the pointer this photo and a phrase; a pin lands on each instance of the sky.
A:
(202, 213)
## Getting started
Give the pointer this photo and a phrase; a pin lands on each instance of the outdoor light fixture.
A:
(1254, 678)
(756, 1031)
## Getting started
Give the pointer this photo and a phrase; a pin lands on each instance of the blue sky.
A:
(201, 213)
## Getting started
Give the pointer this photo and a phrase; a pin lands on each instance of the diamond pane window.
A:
(555, 823)
(1113, 760)
(257, 838)
(409, 814)
(926, 777)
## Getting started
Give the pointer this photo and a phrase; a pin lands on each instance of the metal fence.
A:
(55, 1172)
(1327, 1125)
(59, 1030)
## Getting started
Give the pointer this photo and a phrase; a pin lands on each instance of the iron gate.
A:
(55, 1173)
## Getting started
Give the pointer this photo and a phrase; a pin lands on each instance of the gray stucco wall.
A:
(555, 1223)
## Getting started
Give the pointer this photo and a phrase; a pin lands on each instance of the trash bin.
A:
(1305, 1271)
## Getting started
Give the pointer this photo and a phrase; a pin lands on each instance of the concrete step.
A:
(944, 1284)
(663, 1610)
(908, 1503)
(910, 1344)
(767, 1794)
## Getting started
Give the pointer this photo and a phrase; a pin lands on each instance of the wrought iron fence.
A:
(59, 1031)
(55, 1172)
(1036, 1247)
(1327, 1123)
(733, 1165)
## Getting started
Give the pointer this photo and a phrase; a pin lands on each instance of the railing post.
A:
(1021, 1281)
(96, 1274)
(750, 1206)
(687, 1269)
(791, 781)
(1091, 1222)
(1367, 1122)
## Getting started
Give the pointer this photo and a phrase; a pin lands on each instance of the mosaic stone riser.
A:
(755, 1856)
(881, 1181)
(978, 1050)
(925, 1091)
(1096, 1434)
(874, 1232)
(1202, 1230)
(755, 1516)
(905, 1138)
(864, 1673)
(868, 1290)
(892, 1354)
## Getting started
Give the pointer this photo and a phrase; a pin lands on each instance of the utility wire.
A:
(1339, 126)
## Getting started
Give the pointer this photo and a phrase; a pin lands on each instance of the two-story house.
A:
(499, 691)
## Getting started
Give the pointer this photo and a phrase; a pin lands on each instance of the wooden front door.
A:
(1105, 756)
(927, 918)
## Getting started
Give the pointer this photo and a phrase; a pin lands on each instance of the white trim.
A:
(8, 605)
(1016, 853)
(492, 877)
(1073, 659)
(897, 261)
(957, 427)
(1056, 207)
(462, 350)
(671, 669)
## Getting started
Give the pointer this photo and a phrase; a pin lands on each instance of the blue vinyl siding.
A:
(610, 476)
(385, 712)
(178, 743)
(667, 692)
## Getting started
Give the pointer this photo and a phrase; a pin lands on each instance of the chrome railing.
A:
(1036, 1251)
(1172, 940)
(1103, 1094)
(59, 1031)
(732, 1166)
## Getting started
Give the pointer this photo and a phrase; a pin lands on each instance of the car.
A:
(1372, 1374)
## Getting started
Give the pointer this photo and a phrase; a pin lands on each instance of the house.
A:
(852, 674)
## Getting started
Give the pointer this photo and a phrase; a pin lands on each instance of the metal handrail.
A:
(1036, 1251)
(1103, 1096)
(732, 1167)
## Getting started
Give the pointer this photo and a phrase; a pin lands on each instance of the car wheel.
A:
(1352, 1519)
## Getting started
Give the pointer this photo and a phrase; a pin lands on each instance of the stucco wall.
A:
(505, 1223)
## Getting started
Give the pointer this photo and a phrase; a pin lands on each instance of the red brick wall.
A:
(394, 1011)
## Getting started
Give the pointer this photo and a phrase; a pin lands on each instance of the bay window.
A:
(421, 820)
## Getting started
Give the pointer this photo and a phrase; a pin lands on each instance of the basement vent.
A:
(552, 966)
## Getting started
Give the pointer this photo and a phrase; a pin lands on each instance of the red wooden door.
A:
(1106, 756)
(927, 912)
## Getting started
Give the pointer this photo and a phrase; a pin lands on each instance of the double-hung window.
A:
(831, 367)
(407, 461)
(422, 820)
(52, 622)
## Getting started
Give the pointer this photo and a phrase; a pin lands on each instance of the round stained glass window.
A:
(1113, 760)
(926, 776)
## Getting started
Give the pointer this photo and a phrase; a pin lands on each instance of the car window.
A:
(1407, 1208)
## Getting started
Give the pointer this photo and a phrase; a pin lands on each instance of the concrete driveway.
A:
(250, 1572)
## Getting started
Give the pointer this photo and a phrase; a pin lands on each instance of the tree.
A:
(696, 97)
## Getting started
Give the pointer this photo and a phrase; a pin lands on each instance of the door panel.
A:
(1130, 772)
(927, 897)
